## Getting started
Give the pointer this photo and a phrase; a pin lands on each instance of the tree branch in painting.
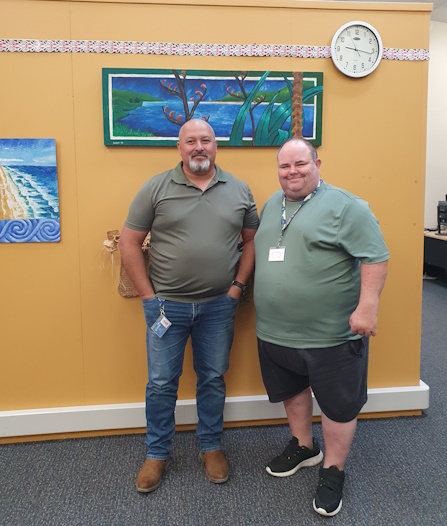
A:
(244, 96)
(178, 89)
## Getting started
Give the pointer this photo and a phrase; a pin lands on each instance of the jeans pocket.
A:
(151, 309)
(232, 300)
(148, 300)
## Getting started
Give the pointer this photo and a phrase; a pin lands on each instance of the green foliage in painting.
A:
(126, 101)
(269, 127)
(311, 92)
(119, 128)
(237, 131)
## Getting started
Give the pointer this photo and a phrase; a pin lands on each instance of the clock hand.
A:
(368, 52)
(355, 49)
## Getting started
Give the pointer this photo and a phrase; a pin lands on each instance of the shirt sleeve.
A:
(360, 235)
(141, 210)
(251, 219)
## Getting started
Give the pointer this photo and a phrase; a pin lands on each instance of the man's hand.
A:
(234, 292)
(363, 321)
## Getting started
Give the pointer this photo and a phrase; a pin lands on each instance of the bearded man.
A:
(196, 214)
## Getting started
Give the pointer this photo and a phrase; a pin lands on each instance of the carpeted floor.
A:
(396, 472)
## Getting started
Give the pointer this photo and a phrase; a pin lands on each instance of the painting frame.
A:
(29, 191)
(146, 107)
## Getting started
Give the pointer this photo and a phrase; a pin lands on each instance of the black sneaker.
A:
(293, 458)
(328, 499)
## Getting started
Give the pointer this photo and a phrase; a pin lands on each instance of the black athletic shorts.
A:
(337, 375)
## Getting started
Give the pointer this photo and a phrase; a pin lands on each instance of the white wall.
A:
(436, 174)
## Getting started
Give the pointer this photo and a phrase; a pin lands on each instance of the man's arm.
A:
(372, 279)
(246, 263)
(133, 260)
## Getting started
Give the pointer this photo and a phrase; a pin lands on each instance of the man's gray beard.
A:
(196, 166)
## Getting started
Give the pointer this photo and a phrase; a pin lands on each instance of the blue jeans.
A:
(211, 327)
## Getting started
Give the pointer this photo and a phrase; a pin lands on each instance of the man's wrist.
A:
(240, 285)
(147, 295)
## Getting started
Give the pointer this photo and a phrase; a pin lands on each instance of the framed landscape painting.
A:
(147, 107)
(29, 197)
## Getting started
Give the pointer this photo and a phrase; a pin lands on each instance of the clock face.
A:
(356, 49)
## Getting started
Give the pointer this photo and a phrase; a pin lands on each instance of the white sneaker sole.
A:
(322, 511)
(312, 461)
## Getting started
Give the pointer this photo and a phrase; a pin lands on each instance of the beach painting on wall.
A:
(29, 199)
(147, 107)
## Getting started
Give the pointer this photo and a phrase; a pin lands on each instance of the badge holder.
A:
(277, 253)
(162, 323)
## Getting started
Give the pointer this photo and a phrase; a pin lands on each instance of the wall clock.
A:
(356, 49)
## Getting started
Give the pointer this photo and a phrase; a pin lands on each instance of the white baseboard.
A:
(237, 409)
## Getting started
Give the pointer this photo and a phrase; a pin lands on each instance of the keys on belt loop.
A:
(162, 308)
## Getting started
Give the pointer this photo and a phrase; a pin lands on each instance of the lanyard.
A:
(284, 223)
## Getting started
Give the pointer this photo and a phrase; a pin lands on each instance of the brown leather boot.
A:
(216, 466)
(149, 477)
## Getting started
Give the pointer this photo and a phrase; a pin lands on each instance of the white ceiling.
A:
(439, 13)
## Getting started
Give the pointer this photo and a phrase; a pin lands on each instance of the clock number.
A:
(342, 39)
(357, 31)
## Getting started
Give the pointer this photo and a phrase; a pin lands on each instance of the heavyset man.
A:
(321, 263)
(195, 213)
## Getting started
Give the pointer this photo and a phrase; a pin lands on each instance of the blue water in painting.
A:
(150, 118)
(37, 186)
(216, 87)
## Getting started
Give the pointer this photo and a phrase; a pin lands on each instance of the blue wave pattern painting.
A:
(29, 200)
(30, 230)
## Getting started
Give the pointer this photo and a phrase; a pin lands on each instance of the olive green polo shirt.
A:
(194, 233)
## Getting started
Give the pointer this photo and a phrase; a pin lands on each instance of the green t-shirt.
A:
(306, 300)
(194, 233)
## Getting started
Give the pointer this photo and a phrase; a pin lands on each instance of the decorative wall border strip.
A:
(10, 45)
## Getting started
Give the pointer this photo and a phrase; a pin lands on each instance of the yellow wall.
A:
(67, 337)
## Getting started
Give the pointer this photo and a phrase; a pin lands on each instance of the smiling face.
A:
(298, 170)
(197, 147)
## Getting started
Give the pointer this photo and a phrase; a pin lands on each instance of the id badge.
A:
(161, 325)
(277, 254)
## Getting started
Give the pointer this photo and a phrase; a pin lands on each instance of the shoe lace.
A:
(292, 449)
